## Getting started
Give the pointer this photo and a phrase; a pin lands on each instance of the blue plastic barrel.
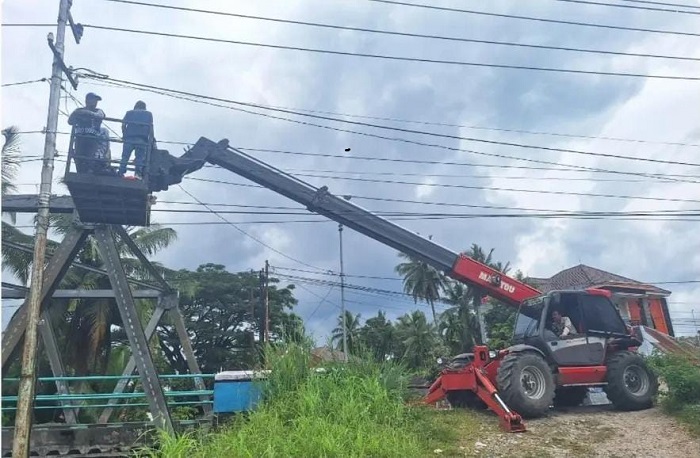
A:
(237, 391)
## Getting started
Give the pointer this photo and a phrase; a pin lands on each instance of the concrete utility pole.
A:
(25, 401)
(342, 296)
(267, 301)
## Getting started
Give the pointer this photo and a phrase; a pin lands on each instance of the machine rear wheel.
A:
(525, 384)
(465, 399)
(631, 385)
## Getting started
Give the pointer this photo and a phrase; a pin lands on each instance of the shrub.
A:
(682, 376)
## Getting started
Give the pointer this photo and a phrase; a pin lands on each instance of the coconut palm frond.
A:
(10, 160)
(154, 238)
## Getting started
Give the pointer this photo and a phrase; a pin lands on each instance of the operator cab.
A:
(590, 319)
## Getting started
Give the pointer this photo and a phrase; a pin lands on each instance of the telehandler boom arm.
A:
(321, 201)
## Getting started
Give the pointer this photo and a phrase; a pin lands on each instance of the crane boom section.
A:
(321, 201)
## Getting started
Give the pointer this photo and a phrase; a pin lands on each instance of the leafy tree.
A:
(377, 336)
(417, 340)
(222, 313)
(352, 326)
(421, 281)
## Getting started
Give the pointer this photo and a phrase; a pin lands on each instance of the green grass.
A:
(352, 410)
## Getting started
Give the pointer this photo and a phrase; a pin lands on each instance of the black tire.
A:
(465, 399)
(525, 383)
(460, 361)
(631, 385)
(569, 396)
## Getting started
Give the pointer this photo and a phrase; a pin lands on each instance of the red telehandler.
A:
(541, 369)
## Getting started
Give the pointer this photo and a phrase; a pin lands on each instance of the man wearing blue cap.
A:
(86, 122)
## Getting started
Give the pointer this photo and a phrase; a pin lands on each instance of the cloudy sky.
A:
(657, 118)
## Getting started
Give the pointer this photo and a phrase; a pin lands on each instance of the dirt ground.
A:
(593, 431)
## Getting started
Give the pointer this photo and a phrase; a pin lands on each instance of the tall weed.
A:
(355, 409)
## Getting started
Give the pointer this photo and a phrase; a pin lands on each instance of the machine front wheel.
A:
(526, 384)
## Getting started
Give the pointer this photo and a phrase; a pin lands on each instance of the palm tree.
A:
(458, 325)
(352, 329)
(86, 324)
(11, 153)
(417, 338)
(477, 294)
(91, 320)
(17, 262)
(421, 281)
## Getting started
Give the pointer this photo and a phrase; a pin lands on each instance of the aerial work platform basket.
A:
(99, 194)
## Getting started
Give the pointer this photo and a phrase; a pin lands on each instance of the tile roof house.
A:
(639, 303)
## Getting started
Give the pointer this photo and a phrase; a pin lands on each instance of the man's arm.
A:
(75, 114)
(567, 326)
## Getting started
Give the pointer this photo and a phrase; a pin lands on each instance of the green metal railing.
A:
(63, 399)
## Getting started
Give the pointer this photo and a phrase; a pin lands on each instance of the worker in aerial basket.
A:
(137, 128)
(86, 122)
(103, 155)
(561, 325)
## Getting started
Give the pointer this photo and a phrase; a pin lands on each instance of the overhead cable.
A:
(151, 88)
(402, 34)
(393, 57)
(535, 19)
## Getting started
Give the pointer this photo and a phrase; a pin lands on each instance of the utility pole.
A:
(27, 384)
(342, 296)
(261, 299)
(697, 331)
(252, 317)
(267, 301)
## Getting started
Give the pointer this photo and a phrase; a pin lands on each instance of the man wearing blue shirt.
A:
(137, 127)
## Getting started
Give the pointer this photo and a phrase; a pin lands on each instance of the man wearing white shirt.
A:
(562, 325)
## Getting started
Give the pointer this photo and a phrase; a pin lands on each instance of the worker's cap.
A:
(92, 96)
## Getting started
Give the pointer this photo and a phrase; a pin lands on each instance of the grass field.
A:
(357, 409)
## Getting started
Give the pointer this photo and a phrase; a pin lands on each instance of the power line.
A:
(151, 88)
(394, 58)
(490, 207)
(536, 19)
(246, 233)
(461, 186)
(462, 126)
(488, 188)
(662, 3)
(478, 177)
(457, 137)
(323, 299)
(402, 34)
(633, 7)
(566, 168)
(671, 177)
